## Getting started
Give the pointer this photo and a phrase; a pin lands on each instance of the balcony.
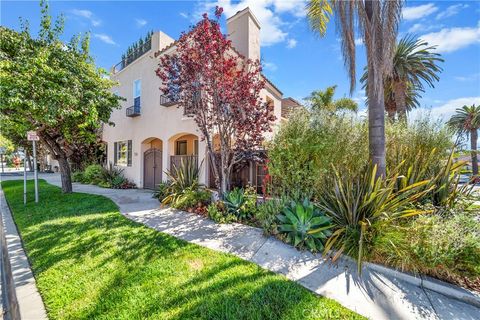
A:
(166, 101)
(133, 111)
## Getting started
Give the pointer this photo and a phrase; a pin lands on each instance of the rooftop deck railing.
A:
(132, 57)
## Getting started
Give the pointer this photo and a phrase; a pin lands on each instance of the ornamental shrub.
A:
(218, 213)
(93, 174)
(301, 153)
(445, 246)
(77, 176)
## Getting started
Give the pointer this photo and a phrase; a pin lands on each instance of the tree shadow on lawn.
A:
(100, 237)
(231, 289)
(91, 262)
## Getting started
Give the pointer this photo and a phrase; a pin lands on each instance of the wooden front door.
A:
(152, 168)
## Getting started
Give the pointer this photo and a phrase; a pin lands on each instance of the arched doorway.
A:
(183, 147)
(152, 163)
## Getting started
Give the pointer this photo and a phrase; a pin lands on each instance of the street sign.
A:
(2, 150)
(32, 136)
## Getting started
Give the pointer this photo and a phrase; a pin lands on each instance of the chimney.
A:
(244, 31)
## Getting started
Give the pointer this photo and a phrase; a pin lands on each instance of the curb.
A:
(438, 286)
(30, 303)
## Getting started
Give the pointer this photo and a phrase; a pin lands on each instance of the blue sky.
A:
(294, 58)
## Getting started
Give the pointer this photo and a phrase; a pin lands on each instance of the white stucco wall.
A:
(156, 121)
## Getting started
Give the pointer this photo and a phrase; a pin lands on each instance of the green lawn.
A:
(92, 263)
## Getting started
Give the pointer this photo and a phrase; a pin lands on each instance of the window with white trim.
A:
(123, 153)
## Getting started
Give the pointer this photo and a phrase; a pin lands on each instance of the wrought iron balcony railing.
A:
(166, 101)
(133, 111)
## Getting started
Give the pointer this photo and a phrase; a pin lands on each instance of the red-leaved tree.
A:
(220, 88)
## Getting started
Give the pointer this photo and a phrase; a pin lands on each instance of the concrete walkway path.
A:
(375, 294)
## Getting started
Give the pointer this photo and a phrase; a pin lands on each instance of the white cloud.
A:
(421, 27)
(291, 43)
(472, 77)
(452, 39)
(268, 12)
(359, 42)
(104, 37)
(183, 15)
(87, 14)
(82, 13)
(360, 98)
(446, 110)
(296, 7)
(451, 11)
(141, 22)
(413, 13)
(270, 66)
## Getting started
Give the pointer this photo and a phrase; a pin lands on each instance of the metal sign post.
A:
(2, 152)
(32, 136)
(35, 170)
(21, 149)
(24, 180)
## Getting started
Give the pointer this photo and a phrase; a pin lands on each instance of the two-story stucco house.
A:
(151, 132)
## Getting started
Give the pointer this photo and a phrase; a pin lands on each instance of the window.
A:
(123, 153)
(270, 104)
(195, 147)
(181, 148)
(137, 92)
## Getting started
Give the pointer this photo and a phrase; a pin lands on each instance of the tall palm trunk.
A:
(473, 144)
(376, 94)
(400, 99)
(376, 128)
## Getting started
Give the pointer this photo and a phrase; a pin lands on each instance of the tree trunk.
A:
(65, 174)
(400, 100)
(473, 144)
(225, 173)
(376, 126)
(61, 156)
(376, 94)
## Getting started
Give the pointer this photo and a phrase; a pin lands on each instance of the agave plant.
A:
(305, 225)
(183, 177)
(356, 203)
(113, 176)
(235, 202)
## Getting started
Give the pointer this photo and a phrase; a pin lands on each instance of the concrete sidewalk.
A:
(376, 294)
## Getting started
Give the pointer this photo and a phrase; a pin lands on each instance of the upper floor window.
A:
(137, 92)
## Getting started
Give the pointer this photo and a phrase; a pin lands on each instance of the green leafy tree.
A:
(323, 100)
(53, 88)
(414, 66)
(377, 23)
(467, 120)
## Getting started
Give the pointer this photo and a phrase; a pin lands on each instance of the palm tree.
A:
(414, 64)
(377, 22)
(467, 120)
(323, 100)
